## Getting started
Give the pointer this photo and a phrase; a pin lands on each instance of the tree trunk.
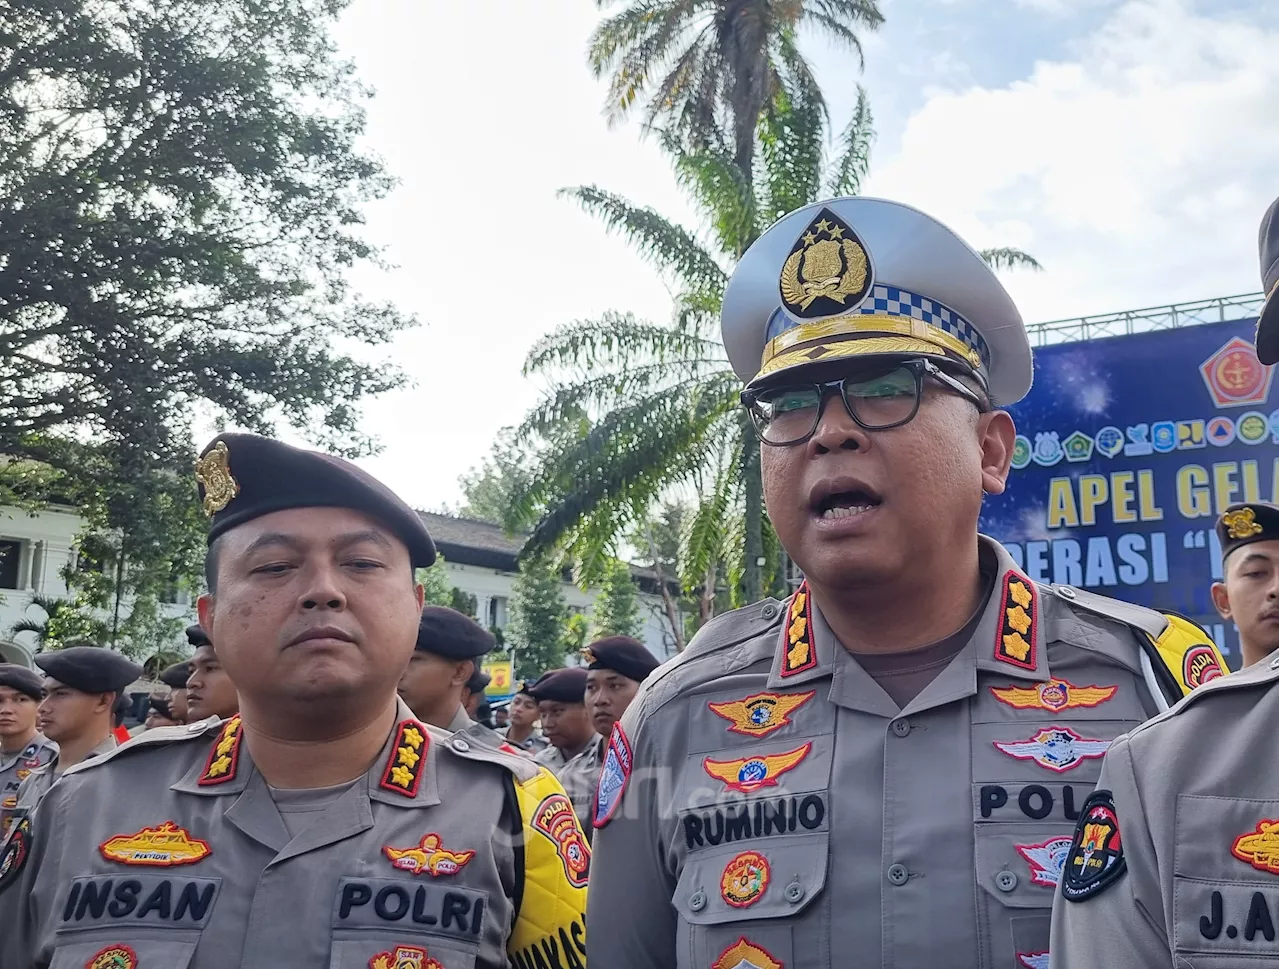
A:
(668, 601)
(753, 538)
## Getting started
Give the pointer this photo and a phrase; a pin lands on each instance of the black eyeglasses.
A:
(876, 399)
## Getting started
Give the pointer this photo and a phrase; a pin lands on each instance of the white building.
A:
(35, 547)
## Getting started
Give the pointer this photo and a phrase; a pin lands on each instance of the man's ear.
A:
(1221, 601)
(204, 611)
(996, 435)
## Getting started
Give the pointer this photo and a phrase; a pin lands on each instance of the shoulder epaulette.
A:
(1261, 676)
(151, 739)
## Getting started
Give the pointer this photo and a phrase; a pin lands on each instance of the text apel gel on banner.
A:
(1128, 449)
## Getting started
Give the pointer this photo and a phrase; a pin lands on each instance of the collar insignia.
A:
(162, 847)
(408, 759)
(554, 819)
(214, 472)
(798, 651)
(428, 857)
(113, 957)
(1055, 695)
(746, 955)
(404, 957)
(224, 756)
(1055, 748)
(752, 773)
(827, 271)
(1016, 632)
(1240, 523)
(760, 714)
(1260, 847)
(1045, 860)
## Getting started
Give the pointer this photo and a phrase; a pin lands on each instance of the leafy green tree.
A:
(536, 631)
(56, 622)
(437, 590)
(663, 400)
(180, 191)
(617, 606)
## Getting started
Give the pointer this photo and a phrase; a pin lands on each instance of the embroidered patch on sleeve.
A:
(1199, 666)
(224, 756)
(407, 760)
(1260, 847)
(428, 857)
(1034, 960)
(165, 846)
(13, 855)
(798, 652)
(613, 777)
(554, 819)
(1016, 631)
(1096, 859)
(746, 955)
(760, 714)
(1053, 696)
(113, 957)
(745, 879)
(749, 774)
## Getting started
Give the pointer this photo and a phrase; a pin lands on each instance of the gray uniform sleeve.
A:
(630, 921)
(1122, 925)
(21, 914)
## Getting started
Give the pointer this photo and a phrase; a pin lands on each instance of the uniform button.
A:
(769, 611)
(697, 901)
(460, 745)
(901, 727)
(897, 874)
(1006, 881)
(196, 727)
(793, 892)
(1065, 591)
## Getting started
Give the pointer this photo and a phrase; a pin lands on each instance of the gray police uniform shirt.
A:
(17, 767)
(173, 848)
(37, 785)
(556, 760)
(533, 743)
(782, 810)
(580, 777)
(1195, 793)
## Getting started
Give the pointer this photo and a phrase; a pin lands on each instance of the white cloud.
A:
(1136, 173)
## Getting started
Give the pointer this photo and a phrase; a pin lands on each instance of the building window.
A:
(497, 618)
(10, 555)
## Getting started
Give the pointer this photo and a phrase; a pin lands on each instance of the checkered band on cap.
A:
(891, 301)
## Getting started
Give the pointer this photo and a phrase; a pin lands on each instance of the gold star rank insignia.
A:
(827, 271)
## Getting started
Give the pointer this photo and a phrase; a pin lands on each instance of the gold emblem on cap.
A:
(827, 271)
(1240, 523)
(214, 472)
(589, 656)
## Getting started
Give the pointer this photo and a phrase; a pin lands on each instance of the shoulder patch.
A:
(149, 740)
(1096, 859)
(613, 777)
(14, 853)
(1016, 630)
(224, 755)
(1199, 666)
(403, 771)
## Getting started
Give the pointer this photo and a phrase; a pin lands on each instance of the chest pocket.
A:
(1018, 867)
(388, 923)
(762, 893)
(1226, 854)
(82, 954)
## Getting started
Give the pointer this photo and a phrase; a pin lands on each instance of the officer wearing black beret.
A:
(196, 636)
(325, 800)
(522, 721)
(1246, 595)
(444, 661)
(175, 677)
(473, 693)
(22, 747)
(1269, 262)
(561, 696)
(81, 687)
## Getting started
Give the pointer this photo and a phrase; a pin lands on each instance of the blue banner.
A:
(1128, 449)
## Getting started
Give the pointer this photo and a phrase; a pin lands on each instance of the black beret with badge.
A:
(1245, 523)
(244, 476)
(161, 706)
(89, 669)
(448, 633)
(622, 654)
(864, 277)
(22, 679)
(479, 681)
(1267, 338)
(568, 685)
(175, 676)
(197, 637)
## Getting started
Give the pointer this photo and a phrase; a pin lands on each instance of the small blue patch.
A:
(613, 777)
(752, 772)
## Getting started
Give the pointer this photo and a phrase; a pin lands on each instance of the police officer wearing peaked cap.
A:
(81, 687)
(363, 837)
(1175, 861)
(921, 719)
(25, 747)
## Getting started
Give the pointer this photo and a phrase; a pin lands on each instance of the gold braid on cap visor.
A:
(846, 336)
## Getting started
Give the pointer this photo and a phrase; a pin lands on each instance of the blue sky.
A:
(1131, 145)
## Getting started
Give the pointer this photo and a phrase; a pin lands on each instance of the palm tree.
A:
(653, 410)
(63, 620)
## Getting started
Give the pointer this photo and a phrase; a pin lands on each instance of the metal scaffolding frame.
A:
(1139, 321)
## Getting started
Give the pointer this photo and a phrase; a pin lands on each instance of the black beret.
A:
(448, 633)
(89, 669)
(1265, 341)
(175, 676)
(244, 476)
(568, 685)
(197, 637)
(526, 687)
(478, 681)
(622, 654)
(161, 706)
(22, 679)
(1246, 523)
